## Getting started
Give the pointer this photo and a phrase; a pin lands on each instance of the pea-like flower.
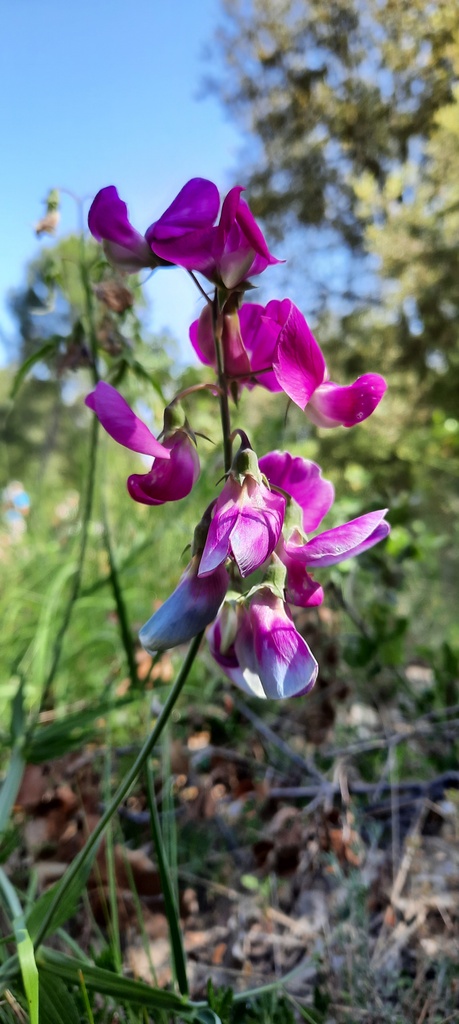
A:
(189, 609)
(109, 223)
(175, 467)
(246, 520)
(273, 346)
(227, 253)
(259, 648)
(302, 479)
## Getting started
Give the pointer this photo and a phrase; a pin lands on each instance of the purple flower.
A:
(189, 609)
(227, 253)
(176, 463)
(260, 650)
(246, 520)
(248, 340)
(302, 479)
(328, 548)
(274, 347)
(125, 247)
(235, 357)
(300, 369)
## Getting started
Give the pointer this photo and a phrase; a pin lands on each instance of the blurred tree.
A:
(331, 91)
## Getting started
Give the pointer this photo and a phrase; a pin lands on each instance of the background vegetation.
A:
(352, 118)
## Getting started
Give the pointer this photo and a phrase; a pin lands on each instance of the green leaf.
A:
(56, 1004)
(37, 357)
(25, 950)
(96, 979)
(67, 905)
(172, 914)
(70, 731)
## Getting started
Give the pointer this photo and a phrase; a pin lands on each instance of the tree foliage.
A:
(331, 92)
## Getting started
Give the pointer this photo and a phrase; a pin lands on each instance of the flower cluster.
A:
(261, 521)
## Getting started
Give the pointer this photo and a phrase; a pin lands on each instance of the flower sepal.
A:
(245, 463)
(274, 579)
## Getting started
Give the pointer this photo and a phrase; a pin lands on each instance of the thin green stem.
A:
(217, 323)
(123, 789)
(75, 589)
(125, 631)
(178, 952)
(217, 326)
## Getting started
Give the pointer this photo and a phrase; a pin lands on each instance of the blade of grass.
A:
(86, 998)
(57, 1004)
(25, 948)
(124, 787)
(113, 918)
(8, 970)
(139, 915)
(11, 784)
(172, 914)
(97, 979)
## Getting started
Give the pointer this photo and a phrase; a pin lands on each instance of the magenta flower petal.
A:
(333, 404)
(240, 247)
(184, 233)
(286, 666)
(260, 649)
(235, 357)
(189, 609)
(118, 419)
(301, 479)
(244, 676)
(108, 221)
(202, 338)
(260, 334)
(300, 588)
(342, 542)
(217, 546)
(168, 480)
(256, 533)
(246, 525)
(298, 364)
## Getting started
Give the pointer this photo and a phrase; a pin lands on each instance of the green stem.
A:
(11, 784)
(123, 788)
(178, 952)
(125, 631)
(225, 417)
(75, 589)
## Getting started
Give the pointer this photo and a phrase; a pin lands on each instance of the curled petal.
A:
(301, 479)
(298, 364)
(266, 656)
(184, 233)
(168, 480)
(118, 419)
(192, 606)
(240, 247)
(342, 542)
(109, 223)
(300, 588)
(333, 404)
(202, 338)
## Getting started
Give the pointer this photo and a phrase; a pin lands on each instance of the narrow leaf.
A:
(37, 357)
(105, 982)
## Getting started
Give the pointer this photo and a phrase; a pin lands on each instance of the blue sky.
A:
(106, 92)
